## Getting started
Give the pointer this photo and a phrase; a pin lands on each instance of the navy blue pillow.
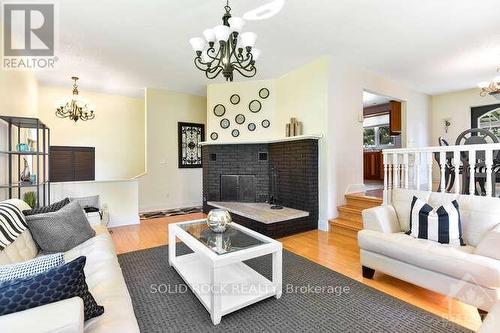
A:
(51, 286)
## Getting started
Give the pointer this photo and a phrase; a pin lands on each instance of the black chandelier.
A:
(75, 107)
(235, 52)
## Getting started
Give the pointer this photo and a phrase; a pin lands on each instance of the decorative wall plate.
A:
(264, 93)
(219, 110)
(251, 127)
(225, 123)
(235, 133)
(239, 119)
(266, 123)
(254, 106)
(234, 99)
(214, 136)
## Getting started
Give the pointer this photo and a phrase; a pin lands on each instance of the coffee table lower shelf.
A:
(239, 284)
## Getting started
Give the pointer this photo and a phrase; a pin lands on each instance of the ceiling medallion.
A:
(491, 88)
(235, 51)
(75, 107)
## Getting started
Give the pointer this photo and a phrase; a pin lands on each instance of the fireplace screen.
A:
(237, 188)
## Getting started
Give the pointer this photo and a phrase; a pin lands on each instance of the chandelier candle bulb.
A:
(248, 39)
(209, 35)
(236, 24)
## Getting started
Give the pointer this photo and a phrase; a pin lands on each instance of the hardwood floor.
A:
(337, 252)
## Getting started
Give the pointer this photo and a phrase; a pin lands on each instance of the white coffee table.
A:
(215, 271)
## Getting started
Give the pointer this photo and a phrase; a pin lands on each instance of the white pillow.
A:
(440, 224)
(489, 246)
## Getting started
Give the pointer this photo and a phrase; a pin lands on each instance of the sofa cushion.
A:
(47, 209)
(30, 267)
(22, 249)
(401, 201)
(489, 246)
(479, 215)
(54, 285)
(455, 261)
(62, 230)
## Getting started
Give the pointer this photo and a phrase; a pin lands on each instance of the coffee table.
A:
(215, 270)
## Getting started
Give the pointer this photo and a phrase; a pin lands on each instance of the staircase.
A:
(350, 220)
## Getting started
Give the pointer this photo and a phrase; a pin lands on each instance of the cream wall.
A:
(165, 185)
(220, 93)
(117, 132)
(345, 128)
(456, 107)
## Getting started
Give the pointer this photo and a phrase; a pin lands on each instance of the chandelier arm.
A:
(251, 72)
(199, 66)
(212, 75)
(242, 62)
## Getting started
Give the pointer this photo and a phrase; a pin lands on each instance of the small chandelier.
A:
(75, 107)
(235, 51)
(491, 88)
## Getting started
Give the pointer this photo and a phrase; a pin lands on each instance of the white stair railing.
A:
(477, 162)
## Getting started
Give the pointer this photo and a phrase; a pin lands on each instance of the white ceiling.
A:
(370, 99)
(432, 46)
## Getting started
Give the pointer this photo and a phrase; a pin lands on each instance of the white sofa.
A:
(469, 273)
(104, 278)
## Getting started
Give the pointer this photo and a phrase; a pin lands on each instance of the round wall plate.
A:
(239, 119)
(219, 110)
(235, 133)
(214, 136)
(251, 127)
(266, 123)
(234, 99)
(254, 106)
(225, 123)
(264, 93)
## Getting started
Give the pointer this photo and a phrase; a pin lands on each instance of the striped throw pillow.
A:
(441, 225)
(12, 224)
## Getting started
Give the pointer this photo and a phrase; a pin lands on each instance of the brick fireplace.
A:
(254, 173)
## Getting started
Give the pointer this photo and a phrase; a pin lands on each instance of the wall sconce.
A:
(447, 124)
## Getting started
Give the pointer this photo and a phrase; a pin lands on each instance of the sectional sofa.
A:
(104, 279)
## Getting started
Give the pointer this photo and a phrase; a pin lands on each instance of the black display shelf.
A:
(40, 161)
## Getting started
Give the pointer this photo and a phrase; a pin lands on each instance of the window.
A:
(378, 136)
(369, 136)
(491, 122)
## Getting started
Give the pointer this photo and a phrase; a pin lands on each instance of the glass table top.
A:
(231, 240)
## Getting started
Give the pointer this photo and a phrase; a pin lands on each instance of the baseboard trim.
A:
(150, 209)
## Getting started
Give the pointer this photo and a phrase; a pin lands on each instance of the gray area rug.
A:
(300, 309)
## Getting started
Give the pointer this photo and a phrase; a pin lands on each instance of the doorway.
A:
(382, 129)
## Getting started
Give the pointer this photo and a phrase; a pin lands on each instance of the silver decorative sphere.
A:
(218, 220)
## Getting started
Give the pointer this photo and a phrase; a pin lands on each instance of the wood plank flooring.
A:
(337, 252)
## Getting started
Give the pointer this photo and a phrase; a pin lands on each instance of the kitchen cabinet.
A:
(373, 165)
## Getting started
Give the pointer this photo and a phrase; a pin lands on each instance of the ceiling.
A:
(431, 46)
(370, 99)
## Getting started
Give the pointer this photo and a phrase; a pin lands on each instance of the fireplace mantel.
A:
(251, 142)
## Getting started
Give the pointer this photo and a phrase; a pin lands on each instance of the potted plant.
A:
(30, 199)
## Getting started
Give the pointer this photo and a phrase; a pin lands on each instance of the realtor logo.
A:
(28, 36)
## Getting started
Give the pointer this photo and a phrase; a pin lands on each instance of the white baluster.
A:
(406, 167)
(386, 178)
(456, 161)
(442, 162)
(429, 171)
(489, 166)
(472, 172)
(395, 167)
(417, 170)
